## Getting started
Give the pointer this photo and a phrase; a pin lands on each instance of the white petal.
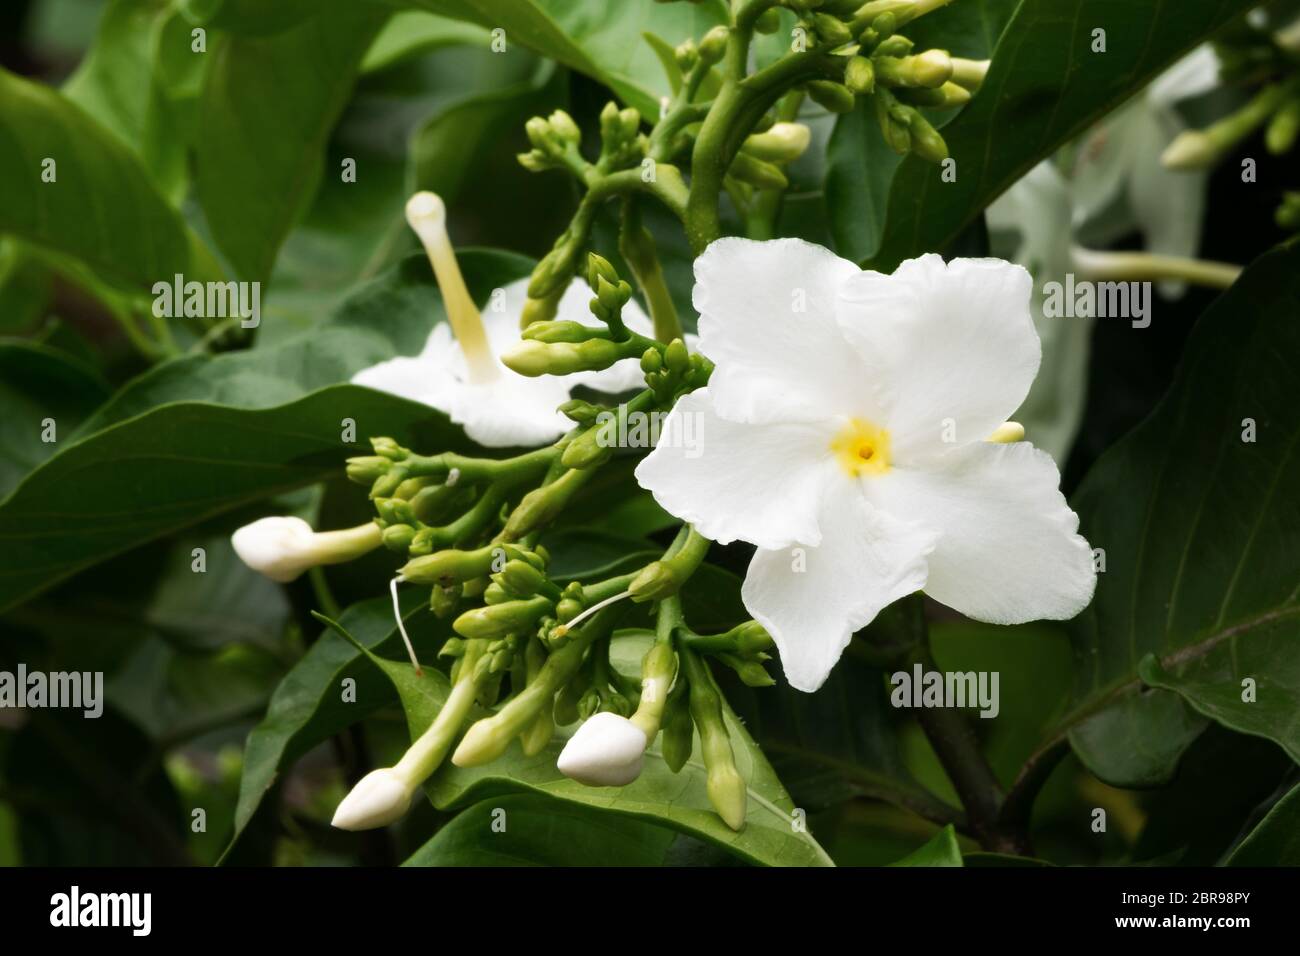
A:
(606, 751)
(1008, 548)
(768, 322)
(954, 342)
(404, 377)
(379, 798)
(278, 547)
(510, 411)
(733, 481)
(866, 561)
(1194, 74)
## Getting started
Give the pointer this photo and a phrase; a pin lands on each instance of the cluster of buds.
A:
(882, 65)
(1254, 57)
(555, 140)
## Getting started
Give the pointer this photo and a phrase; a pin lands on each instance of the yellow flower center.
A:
(862, 448)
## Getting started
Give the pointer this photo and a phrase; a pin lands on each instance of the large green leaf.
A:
(265, 114)
(101, 208)
(602, 40)
(860, 168)
(942, 850)
(177, 464)
(1201, 533)
(1276, 841)
(529, 830)
(1045, 87)
(40, 384)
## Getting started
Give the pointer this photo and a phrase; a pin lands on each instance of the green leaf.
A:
(603, 41)
(1201, 536)
(39, 383)
(942, 850)
(178, 464)
(265, 114)
(388, 316)
(1044, 88)
(101, 209)
(528, 830)
(860, 168)
(1276, 841)
(415, 32)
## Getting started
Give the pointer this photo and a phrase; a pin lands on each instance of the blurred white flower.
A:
(459, 370)
(843, 433)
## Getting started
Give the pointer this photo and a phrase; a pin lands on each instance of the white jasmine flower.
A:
(283, 547)
(843, 433)
(606, 751)
(379, 798)
(459, 370)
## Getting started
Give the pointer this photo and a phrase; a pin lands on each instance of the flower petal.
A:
(511, 411)
(866, 561)
(768, 322)
(733, 481)
(954, 342)
(1008, 551)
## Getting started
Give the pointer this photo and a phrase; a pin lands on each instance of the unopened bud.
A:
(714, 44)
(835, 97)
(782, 143)
(379, 798)
(756, 172)
(860, 75)
(498, 620)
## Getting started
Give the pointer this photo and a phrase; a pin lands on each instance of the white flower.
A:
(283, 547)
(459, 370)
(846, 440)
(379, 798)
(606, 751)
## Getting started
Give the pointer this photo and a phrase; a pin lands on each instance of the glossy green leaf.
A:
(529, 830)
(942, 850)
(415, 32)
(101, 208)
(1044, 88)
(1196, 513)
(178, 464)
(44, 394)
(603, 41)
(266, 111)
(1276, 841)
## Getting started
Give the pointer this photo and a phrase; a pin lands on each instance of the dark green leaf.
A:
(942, 850)
(1276, 841)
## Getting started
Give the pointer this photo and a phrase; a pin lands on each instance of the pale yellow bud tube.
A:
(1006, 433)
(427, 215)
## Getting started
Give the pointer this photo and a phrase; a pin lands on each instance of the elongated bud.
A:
(658, 668)
(678, 732)
(728, 794)
(606, 751)
(897, 134)
(1280, 135)
(398, 537)
(557, 331)
(380, 797)
(930, 69)
(593, 447)
(541, 505)
(926, 141)
(525, 580)
(427, 216)
(757, 172)
(860, 75)
(831, 30)
(282, 548)
(532, 358)
(1287, 215)
(499, 620)
(449, 566)
(769, 21)
(945, 97)
(1190, 149)
(580, 412)
(835, 97)
(969, 73)
(783, 143)
(367, 469)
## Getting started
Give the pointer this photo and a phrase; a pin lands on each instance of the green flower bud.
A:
(565, 709)
(387, 448)
(452, 647)
(756, 172)
(533, 358)
(860, 75)
(686, 53)
(676, 357)
(930, 70)
(781, 143)
(525, 580)
(897, 134)
(652, 360)
(1282, 129)
(443, 602)
(945, 97)
(831, 30)
(751, 673)
(567, 609)
(580, 412)
(678, 732)
(564, 126)
(895, 46)
(1288, 213)
(769, 21)
(751, 638)
(395, 510)
(593, 447)
(655, 582)
(589, 703)
(714, 45)
(496, 593)
(541, 505)
(449, 566)
(598, 267)
(366, 469)
(498, 620)
(926, 141)
(539, 134)
(566, 331)
(398, 537)
(835, 97)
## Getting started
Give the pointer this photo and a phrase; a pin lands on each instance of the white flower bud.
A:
(283, 547)
(379, 798)
(606, 751)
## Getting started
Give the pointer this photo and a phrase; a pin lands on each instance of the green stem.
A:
(428, 752)
(638, 248)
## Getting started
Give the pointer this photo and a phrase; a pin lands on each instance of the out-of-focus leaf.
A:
(942, 850)
(1276, 841)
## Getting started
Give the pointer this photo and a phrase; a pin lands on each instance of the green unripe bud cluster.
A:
(555, 142)
(621, 142)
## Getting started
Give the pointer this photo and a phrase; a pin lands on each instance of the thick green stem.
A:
(638, 248)
(428, 752)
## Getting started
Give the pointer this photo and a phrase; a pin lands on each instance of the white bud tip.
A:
(425, 209)
(274, 546)
(379, 798)
(1007, 432)
(607, 751)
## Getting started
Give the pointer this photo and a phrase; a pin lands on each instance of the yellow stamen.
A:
(862, 448)
(427, 215)
(1007, 432)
